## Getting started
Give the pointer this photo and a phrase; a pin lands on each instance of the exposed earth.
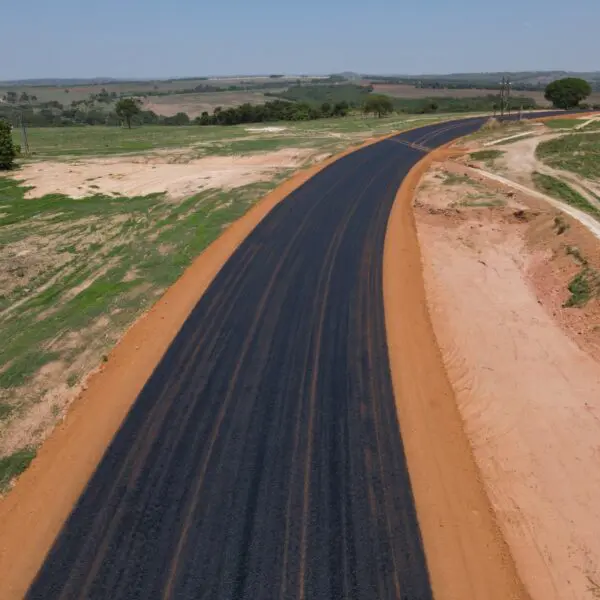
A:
(523, 358)
(173, 172)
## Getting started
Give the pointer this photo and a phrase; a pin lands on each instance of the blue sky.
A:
(152, 38)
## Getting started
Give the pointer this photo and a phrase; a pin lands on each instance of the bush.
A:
(8, 152)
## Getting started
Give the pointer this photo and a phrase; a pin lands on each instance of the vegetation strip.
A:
(562, 191)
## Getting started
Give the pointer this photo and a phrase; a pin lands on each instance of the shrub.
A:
(8, 152)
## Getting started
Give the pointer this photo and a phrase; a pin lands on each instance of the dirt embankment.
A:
(466, 553)
(520, 339)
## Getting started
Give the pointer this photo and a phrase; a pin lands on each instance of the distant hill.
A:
(60, 82)
(523, 80)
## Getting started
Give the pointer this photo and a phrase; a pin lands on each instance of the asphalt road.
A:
(263, 457)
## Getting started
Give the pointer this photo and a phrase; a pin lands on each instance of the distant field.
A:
(409, 91)
(195, 104)
(67, 94)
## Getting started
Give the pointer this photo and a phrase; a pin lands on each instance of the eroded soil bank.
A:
(511, 285)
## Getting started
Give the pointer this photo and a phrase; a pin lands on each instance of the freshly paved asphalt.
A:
(263, 458)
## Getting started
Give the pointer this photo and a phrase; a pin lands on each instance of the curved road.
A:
(263, 458)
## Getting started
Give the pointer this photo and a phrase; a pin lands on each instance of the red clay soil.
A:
(466, 553)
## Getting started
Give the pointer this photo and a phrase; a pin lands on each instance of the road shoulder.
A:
(467, 556)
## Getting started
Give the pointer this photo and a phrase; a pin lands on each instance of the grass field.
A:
(562, 191)
(486, 155)
(577, 153)
(563, 123)
(47, 142)
(98, 140)
(594, 125)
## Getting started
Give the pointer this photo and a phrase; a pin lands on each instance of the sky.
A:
(178, 38)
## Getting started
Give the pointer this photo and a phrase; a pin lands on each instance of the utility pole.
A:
(24, 140)
(505, 96)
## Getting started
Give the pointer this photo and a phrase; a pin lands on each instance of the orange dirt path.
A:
(466, 554)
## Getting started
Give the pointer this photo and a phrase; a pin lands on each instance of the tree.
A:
(8, 152)
(24, 97)
(341, 109)
(126, 109)
(326, 109)
(378, 104)
(567, 93)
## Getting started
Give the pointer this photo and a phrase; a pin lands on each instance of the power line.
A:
(22, 127)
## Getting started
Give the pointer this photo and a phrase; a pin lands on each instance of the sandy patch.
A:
(524, 373)
(130, 176)
(270, 129)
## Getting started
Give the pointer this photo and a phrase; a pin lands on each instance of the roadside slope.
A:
(466, 553)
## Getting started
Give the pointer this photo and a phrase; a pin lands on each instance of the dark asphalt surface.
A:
(263, 458)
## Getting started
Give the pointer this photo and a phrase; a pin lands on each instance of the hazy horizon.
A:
(152, 40)
(109, 78)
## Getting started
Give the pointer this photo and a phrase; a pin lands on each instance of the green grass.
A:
(133, 229)
(483, 203)
(594, 125)
(561, 191)
(51, 142)
(5, 410)
(583, 287)
(579, 153)
(454, 179)
(563, 123)
(486, 155)
(317, 94)
(99, 140)
(13, 465)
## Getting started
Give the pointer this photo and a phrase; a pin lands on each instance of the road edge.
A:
(34, 511)
(467, 556)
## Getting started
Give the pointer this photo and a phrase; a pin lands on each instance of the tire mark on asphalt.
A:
(216, 429)
(324, 284)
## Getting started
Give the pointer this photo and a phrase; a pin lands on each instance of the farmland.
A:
(194, 104)
(412, 92)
